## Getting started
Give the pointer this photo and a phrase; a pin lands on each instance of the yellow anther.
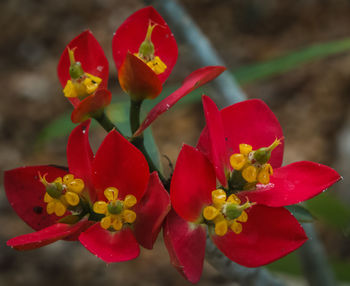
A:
(117, 223)
(106, 222)
(100, 207)
(130, 201)
(233, 199)
(111, 193)
(210, 212)
(76, 185)
(245, 149)
(238, 161)
(249, 174)
(218, 197)
(264, 174)
(69, 90)
(68, 178)
(50, 208)
(60, 209)
(236, 227)
(129, 216)
(157, 65)
(72, 198)
(47, 198)
(221, 227)
(243, 217)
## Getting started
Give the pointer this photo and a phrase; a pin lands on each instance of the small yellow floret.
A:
(106, 222)
(111, 193)
(233, 199)
(100, 207)
(249, 174)
(236, 227)
(129, 216)
(243, 217)
(221, 228)
(72, 198)
(76, 185)
(130, 201)
(245, 149)
(238, 161)
(117, 223)
(210, 212)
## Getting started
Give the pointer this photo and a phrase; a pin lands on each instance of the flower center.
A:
(251, 166)
(62, 193)
(226, 213)
(81, 84)
(146, 53)
(116, 212)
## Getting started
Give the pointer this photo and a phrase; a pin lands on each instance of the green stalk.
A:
(105, 122)
(135, 109)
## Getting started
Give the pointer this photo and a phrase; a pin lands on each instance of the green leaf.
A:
(330, 210)
(300, 213)
(251, 73)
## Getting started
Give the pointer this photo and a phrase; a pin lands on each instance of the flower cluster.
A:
(231, 184)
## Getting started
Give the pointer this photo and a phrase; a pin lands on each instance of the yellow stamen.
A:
(117, 223)
(68, 178)
(243, 217)
(72, 198)
(47, 198)
(236, 227)
(245, 149)
(106, 222)
(50, 208)
(76, 185)
(157, 65)
(111, 193)
(130, 201)
(218, 197)
(129, 216)
(210, 212)
(100, 207)
(249, 174)
(221, 228)
(233, 199)
(60, 208)
(238, 161)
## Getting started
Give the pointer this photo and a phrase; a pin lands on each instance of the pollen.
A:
(116, 211)
(62, 193)
(226, 214)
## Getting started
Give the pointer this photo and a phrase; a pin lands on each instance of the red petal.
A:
(151, 211)
(132, 33)
(293, 184)
(186, 246)
(110, 246)
(193, 81)
(90, 105)
(269, 234)
(138, 80)
(80, 156)
(252, 122)
(217, 144)
(91, 56)
(121, 165)
(45, 236)
(26, 194)
(192, 183)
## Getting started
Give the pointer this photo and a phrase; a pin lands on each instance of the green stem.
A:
(135, 109)
(105, 122)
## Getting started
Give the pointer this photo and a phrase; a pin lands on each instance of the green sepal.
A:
(70, 219)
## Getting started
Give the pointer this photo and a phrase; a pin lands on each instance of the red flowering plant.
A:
(234, 185)
(109, 202)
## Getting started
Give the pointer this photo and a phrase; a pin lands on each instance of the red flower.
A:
(83, 73)
(244, 209)
(59, 204)
(144, 60)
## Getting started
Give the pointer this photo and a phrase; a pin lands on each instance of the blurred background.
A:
(295, 55)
